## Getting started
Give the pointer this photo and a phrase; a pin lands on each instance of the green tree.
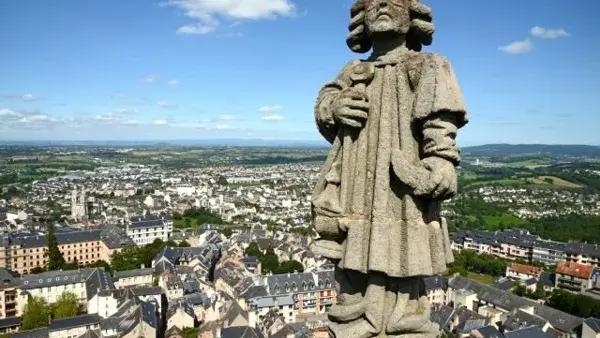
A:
(37, 269)
(66, 306)
(190, 332)
(227, 232)
(520, 290)
(290, 266)
(184, 244)
(127, 259)
(36, 314)
(177, 216)
(222, 180)
(56, 260)
(170, 243)
(253, 250)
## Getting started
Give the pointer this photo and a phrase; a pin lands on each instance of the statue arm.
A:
(440, 110)
(323, 108)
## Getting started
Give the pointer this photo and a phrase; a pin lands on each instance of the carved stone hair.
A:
(420, 33)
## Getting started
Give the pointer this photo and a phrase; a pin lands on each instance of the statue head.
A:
(380, 19)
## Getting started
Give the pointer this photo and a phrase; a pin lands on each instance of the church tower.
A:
(78, 204)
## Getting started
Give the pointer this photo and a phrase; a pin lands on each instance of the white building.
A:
(144, 232)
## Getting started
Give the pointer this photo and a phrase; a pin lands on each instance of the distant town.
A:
(174, 241)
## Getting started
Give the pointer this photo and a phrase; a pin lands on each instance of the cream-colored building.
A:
(133, 278)
(23, 253)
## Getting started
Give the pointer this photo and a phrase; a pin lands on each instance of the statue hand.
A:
(351, 108)
(443, 179)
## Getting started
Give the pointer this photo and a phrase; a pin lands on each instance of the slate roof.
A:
(532, 332)
(593, 323)
(558, 319)
(129, 315)
(504, 284)
(241, 332)
(521, 319)
(441, 316)
(300, 282)
(75, 236)
(10, 322)
(148, 223)
(525, 239)
(71, 322)
(180, 305)
(133, 273)
(298, 330)
(490, 332)
(435, 283)
(38, 333)
(174, 331)
(547, 279)
(91, 334)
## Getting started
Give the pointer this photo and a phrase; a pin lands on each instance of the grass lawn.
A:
(556, 182)
(529, 163)
(484, 279)
(494, 221)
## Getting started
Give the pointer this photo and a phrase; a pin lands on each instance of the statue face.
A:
(387, 16)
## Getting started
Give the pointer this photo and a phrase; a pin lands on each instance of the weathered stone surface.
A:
(392, 120)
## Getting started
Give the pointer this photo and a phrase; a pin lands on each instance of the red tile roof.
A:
(526, 269)
(575, 269)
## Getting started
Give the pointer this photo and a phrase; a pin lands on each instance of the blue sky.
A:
(198, 69)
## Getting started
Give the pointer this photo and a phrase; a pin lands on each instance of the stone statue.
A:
(392, 120)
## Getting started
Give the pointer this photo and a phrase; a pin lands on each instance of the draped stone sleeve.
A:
(440, 107)
(323, 109)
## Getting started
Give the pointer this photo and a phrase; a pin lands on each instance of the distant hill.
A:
(174, 143)
(495, 150)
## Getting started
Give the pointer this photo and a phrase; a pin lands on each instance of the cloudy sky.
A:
(205, 69)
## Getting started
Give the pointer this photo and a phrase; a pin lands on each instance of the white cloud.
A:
(166, 105)
(209, 14)
(189, 125)
(227, 117)
(161, 122)
(273, 118)
(150, 78)
(23, 97)
(267, 109)
(172, 82)
(224, 127)
(7, 113)
(197, 29)
(518, 47)
(37, 118)
(548, 33)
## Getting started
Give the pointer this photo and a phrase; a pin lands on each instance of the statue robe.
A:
(367, 218)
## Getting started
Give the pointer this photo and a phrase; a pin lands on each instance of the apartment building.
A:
(145, 231)
(309, 293)
(24, 252)
(574, 276)
(520, 244)
(437, 291)
(15, 290)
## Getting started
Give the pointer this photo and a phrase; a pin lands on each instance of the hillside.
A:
(532, 149)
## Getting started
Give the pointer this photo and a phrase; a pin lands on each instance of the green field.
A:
(558, 182)
(481, 278)
(502, 220)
